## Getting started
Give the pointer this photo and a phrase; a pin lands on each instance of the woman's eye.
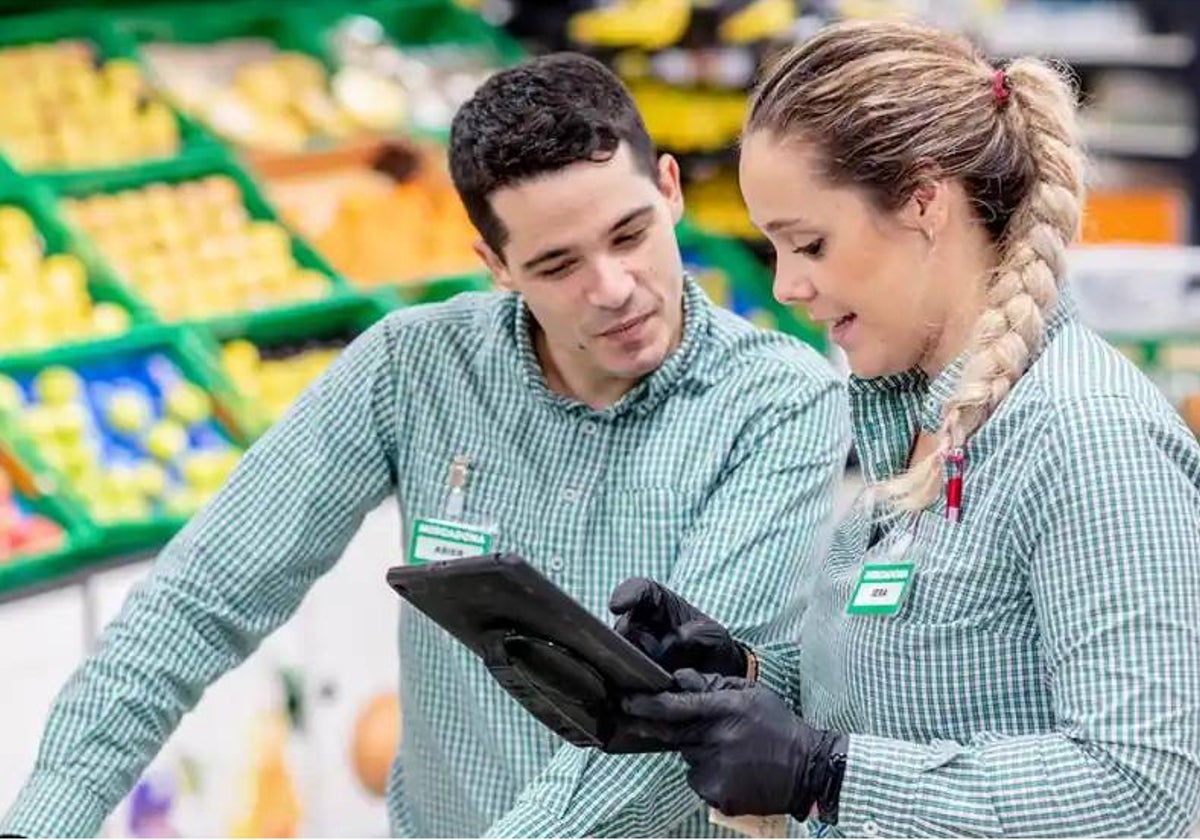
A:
(812, 249)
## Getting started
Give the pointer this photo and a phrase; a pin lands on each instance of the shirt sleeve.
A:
(236, 572)
(1115, 581)
(742, 563)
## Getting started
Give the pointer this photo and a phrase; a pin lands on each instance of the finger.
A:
(690, 680)
(677, 737)
(651, 604)
(648, 731)
(629, 593)
(674, 707)
(693, 642)
(647, 643)
(702, 632)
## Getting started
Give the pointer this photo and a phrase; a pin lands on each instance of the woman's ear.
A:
(928, 208)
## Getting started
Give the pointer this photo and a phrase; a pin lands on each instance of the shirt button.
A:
(556, 564)
(570, 495)
(870, 828)
(589, 428)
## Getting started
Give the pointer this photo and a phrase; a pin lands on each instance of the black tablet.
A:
(566, 666)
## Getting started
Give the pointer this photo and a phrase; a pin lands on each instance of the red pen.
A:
(954, 483)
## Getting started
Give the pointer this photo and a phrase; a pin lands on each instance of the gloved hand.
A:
(748, 753)
(672, 632)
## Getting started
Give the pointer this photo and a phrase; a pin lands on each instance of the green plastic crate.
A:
(190, 354)
(416, 24)
(436, 289)
(203, 23)
(81, 24)
(327, 320)
(423, 23)
(186, 169)
(57, 239)
(199, 23)
(322, 320)
(40, 488)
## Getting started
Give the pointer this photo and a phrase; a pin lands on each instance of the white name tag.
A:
(880, 589)
(436, 539)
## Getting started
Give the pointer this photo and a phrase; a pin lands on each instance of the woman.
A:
(1004, 638)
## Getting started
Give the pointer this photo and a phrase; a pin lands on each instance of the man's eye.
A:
(633, 238)
(556, 270)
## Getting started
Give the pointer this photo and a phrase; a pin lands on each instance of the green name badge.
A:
(881, 589)
(436, 539)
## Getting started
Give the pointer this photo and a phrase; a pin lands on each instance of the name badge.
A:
(881, 589)
(438, 539)
(883, 584)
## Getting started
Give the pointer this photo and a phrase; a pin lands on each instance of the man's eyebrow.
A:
(632, 216)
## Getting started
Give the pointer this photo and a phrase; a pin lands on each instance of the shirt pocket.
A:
(495, 499)
(963, 576)
(930, 670)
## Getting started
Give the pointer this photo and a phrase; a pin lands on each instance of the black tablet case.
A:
(567, 667)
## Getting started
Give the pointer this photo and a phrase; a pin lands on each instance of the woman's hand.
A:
(672, 632)
(748, 753)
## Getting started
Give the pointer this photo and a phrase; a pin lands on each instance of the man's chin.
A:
(638, 365)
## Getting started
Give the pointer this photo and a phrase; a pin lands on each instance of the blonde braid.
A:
(1024, 286)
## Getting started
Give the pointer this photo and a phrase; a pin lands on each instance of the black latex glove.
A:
(672, 632)
(748, 753)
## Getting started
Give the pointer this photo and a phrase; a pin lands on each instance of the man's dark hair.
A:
(540, 116)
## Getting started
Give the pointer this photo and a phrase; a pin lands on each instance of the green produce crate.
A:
(348, 315)
(197, 24)
(436, 289)
(189, 354)
(415, 26)
(38, 203)
(85, 25)
(186, 169)
(334, 320)
(204, 23)
(41, 491)
(423, 23)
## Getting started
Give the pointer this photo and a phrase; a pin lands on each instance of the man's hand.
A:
(672, 632)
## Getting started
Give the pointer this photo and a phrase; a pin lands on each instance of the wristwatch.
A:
(751, 664)
(827, 802)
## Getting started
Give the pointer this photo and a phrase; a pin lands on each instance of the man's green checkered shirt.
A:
(714, 474)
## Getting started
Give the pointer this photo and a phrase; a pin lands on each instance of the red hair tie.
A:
(1000, 88)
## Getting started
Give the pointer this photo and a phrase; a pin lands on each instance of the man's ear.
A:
(495, 265)
(670, 185)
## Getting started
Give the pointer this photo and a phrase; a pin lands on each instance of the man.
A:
(602, 418)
